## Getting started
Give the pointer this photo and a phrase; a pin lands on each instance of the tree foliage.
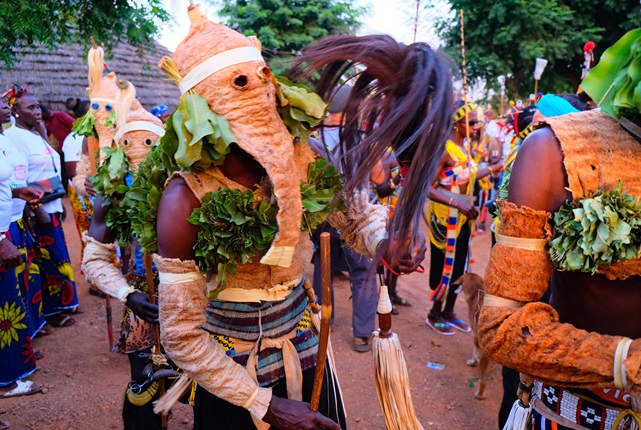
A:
(25, 23)
(504, 37)
(287, 26)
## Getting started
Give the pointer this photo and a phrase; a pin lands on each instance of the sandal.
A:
(457, 323)
(362, 344)
(398, 300)
(4, 425)
(440, 325)
(23, 388)
(73, 311)
(60, 320)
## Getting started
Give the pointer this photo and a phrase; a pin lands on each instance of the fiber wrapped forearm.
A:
(362, 225)
(531, 339)
(98, 266)
(83, 171)
(182, 304)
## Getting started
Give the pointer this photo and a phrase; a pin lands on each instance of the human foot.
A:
(20, 388)
(61, 320)
(457, 323)
(436, 322)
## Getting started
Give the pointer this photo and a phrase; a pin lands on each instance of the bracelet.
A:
(2, 237)
(35, 206)
(391, 184)
(450, 202)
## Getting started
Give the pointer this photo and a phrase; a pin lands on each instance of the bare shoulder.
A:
(538, 177)
(177, 236)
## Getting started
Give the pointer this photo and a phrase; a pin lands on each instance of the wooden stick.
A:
(326, 315)
(157, 348)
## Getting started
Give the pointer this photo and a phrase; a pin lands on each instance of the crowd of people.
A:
(245, 329)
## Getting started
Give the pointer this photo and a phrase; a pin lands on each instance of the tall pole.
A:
(464, 73)
(418, 4)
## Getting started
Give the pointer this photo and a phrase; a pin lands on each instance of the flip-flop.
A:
(61, 321)
(73, 311)
(398, 300)
(440, 326)
(23, 388)
(4, 425)
(459, 325)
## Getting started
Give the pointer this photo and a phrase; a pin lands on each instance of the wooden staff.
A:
(326, 315)
(157, 349)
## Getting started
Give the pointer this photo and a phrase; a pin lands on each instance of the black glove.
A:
(141, 306)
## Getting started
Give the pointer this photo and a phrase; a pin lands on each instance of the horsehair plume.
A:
(169, 67)
(409, 89)
(96, 62)
(124, 100)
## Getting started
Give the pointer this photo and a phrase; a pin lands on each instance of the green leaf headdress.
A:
(615, 83)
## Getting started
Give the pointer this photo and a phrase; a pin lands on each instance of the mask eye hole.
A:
(264, 73)
(240, 82)
(108, 107)
(125, 142)
(149, 142)
(95, 106)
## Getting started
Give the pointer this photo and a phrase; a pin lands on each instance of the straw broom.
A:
(390, 372)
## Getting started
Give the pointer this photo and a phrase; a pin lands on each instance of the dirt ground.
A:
(85, 382)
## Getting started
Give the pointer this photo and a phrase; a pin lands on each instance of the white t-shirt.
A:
(5, 192)
(19, 176)
(43, 160)
(492, 129)
(72, 147)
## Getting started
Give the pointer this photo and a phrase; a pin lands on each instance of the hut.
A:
(54, 76)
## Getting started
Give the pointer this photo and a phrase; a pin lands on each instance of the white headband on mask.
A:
(218, 62)
(138, 126)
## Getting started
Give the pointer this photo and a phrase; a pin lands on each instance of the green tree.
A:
(504, 37)
(52, 23)
(287, 26)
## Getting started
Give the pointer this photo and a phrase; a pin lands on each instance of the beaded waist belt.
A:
(578, 412)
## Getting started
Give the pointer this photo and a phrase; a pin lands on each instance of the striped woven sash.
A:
(235, 324)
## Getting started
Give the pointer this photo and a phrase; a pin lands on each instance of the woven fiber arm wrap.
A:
(99, 269)
(83, 171)
(531, 339)
(182, 314)
(362, 225)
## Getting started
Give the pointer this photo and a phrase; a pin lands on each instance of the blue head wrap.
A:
(159, 110)
(551, 106)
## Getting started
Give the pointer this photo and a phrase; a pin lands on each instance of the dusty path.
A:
(85, 381)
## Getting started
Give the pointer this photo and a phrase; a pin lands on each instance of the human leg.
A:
(458, 269)
(17, 358)
(58, 286)
(364, 299)
(138, 409)
(28, 275)
(434, 317)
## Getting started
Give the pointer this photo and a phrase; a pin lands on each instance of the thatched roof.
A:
(54, 76)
